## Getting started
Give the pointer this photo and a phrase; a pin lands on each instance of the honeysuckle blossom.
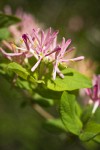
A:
(94, 93)
(17, 54)
(42, 45)
(14, 55)
(37, 45)
(60, 57)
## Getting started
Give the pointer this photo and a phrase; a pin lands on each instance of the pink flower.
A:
(60, 57)
(94, 92)
(40, 43)
(17, 54)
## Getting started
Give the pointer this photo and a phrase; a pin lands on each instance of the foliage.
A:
(35, 82)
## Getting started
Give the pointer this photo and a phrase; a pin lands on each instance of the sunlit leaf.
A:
(22, 72)
(73, 80)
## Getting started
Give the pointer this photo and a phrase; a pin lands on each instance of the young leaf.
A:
(90, 131)
(7, 20)
(73, 80)
(69, 113)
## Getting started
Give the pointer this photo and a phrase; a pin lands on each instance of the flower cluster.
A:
(42, 45)
(94, 92)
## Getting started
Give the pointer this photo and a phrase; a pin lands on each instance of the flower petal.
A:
(96, 104)
(36, 65)
(73, 59)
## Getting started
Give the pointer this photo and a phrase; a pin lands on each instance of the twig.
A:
(46, 115)
(42, 112)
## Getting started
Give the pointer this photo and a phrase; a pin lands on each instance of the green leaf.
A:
(22, 72)
(44, 102)
(69, 113)
(4, 33)
(18, 69)
(90, 131)
(47, 93)
(86, 114)
(73, 80)
(23, 84)
(7, 20)
(55, 126)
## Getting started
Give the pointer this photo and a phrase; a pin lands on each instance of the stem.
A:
(42, 112)
(46, 115)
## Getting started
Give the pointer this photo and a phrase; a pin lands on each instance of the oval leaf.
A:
(73, 80)
(22, 72)
(69, 113)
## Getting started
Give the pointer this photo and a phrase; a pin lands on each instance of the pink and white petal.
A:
(25, 39)
(30, 39)
(36, 65)
(96, 104)
(50, 37)
(47, 35)
(35, 34)
(65, 46)
(68, 42)
(73, 59)
(99, 86)
(94, 81)
(63, 43)
(95, 92)
(42, 37)
(53, 51)
(88, 92)
(69, 50)
(54, 34)
(60, 73)
(10, 54)
(55, 70)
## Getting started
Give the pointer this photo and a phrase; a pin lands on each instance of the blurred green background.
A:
(21, 128)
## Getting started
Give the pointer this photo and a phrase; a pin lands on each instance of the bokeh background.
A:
(21, 128)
